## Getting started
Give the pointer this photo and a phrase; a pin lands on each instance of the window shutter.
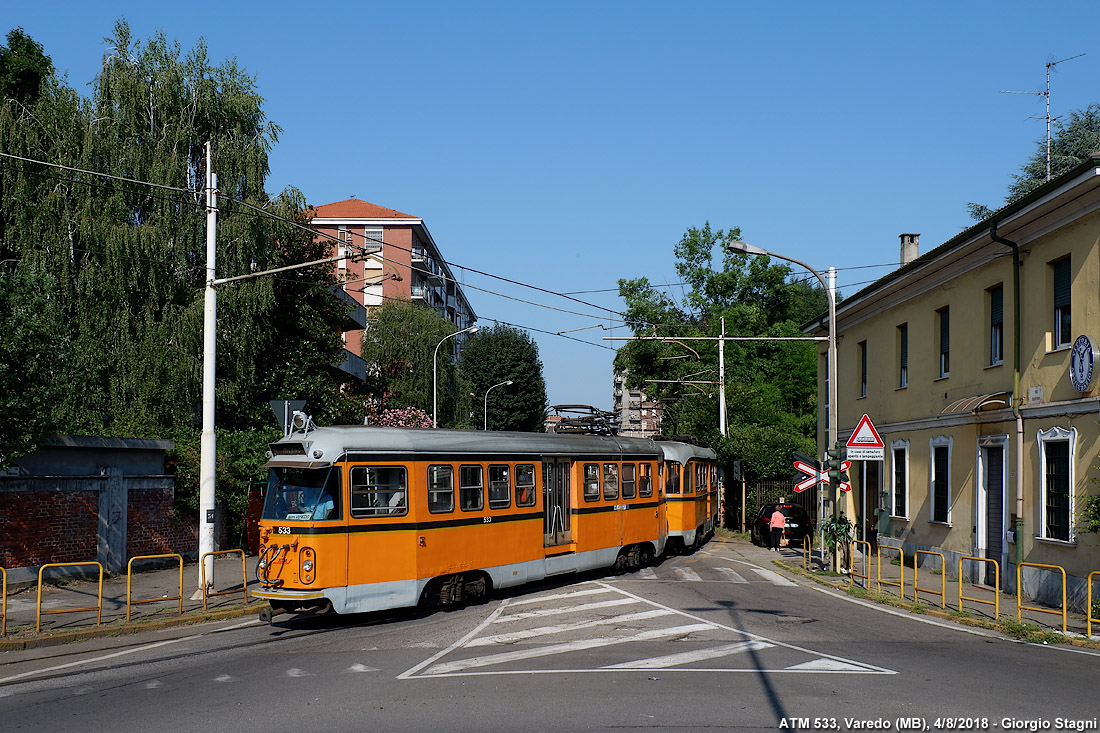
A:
(1061, 283)
(996, 306)
(904, 329)
(945, 331)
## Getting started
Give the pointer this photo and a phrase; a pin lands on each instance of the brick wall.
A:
(41, 526)
(56, 519)
(154, 528)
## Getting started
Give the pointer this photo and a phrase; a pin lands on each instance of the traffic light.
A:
(835, 464)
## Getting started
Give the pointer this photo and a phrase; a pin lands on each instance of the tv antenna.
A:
(1047, 95)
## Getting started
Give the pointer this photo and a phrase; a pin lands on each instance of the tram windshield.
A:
(302, 494)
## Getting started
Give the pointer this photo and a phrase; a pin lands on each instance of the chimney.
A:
(910, 248)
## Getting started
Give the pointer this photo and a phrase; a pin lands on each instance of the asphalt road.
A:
(715, 640)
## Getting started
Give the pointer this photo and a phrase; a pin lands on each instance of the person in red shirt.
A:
(777, 523)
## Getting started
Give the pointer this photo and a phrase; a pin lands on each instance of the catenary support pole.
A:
(208, 443)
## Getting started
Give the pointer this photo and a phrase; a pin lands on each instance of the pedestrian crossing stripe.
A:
(688, 661)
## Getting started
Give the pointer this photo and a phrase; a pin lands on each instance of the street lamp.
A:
(745, 248)
(501, 384)
(435, 372)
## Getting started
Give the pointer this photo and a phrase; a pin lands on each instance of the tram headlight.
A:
(307, 565)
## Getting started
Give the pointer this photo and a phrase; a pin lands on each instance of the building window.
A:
(941, 479)
(1062, 321)
(903, 355)
(372, 239)
(862, 368)
(996, 325)
(1056, 469)
(899, 450)
(943, 326)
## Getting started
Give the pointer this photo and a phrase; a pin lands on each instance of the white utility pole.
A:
(208, 442)
(722, 380)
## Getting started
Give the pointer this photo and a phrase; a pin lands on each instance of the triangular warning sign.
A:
(865, 436)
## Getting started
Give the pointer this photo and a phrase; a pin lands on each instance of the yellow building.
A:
(975, 363)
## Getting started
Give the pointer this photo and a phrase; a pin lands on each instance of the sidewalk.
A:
(978, 600)
(160, 588)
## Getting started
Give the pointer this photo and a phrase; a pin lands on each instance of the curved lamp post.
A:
(500, 384)
(745, 248)
(435, 373)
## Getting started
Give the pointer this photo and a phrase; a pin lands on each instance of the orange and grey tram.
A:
(691, 493)
(362, 518)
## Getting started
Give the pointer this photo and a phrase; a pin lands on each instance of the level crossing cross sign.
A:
(866, 444)
(818, 476)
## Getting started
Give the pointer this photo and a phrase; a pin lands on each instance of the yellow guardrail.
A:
(996, 602)
(942, 592)
(852, 574)
(1019, 594)
(1091, 618)
(39, 613)
(207, 593)
(130, 577)
(901, 580)
(4, 603)
(807, 547)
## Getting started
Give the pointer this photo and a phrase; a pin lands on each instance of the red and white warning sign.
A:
(865, 444)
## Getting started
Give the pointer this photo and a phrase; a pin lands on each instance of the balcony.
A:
(357, 315)
(353, 365)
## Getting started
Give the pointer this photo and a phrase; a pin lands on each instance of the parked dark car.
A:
(799, 526)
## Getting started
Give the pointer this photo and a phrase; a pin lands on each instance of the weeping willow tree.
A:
(104, 277)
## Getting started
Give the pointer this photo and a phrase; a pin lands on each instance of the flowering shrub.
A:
(406, 417)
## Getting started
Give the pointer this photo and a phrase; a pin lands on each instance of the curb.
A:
(124, 628)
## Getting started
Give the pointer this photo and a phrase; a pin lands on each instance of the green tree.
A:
(771, 386)
(399, 346)
(102, 307)
(1073, 140)
(496, 355)
(24, 68)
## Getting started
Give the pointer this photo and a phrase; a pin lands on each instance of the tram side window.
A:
(441, 489)
(378, 491)
(470, 488)
(611, 481)
(689, 478)
(701, 476)
(591, 482)
(630, 485)
(672, 481)
(500, 489)
(645, 480)
(525, 484)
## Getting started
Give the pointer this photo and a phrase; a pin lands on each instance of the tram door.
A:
(555, 492)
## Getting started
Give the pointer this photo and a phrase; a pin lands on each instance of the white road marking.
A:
(686, 574)
(673, 660)
(295, 672)
(772, 577)
(361, 668)
(731, 575)
(225, 678)
(515, 636)
(825, 665)
(560, 610)
(93, 660)
(647, 574)
(558, 596)
(483, 661)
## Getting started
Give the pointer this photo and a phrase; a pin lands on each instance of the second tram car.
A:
(362, 518)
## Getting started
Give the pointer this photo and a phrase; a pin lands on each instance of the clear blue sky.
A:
(569, 144)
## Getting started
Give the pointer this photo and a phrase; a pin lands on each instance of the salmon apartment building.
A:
(406, 265)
